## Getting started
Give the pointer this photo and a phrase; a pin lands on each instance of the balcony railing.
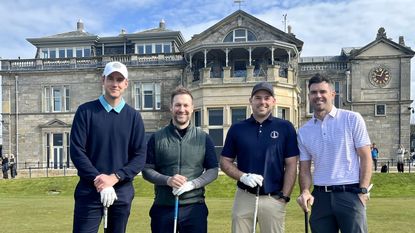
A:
(90, 62)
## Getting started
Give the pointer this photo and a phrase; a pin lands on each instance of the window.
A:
(52, 53)
(147, 96)
(238, 114)
(79, 52)
(283, 113)
(44, 53)
(240, 35)
(337, 99)
(197, 118)
(57, 99)
(61, 53)
(87, 52)
(57, 150)
(69, 52)
(153, 48)
(380, 110)
(216, 128)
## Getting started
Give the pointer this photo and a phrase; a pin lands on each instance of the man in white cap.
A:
(108, 148)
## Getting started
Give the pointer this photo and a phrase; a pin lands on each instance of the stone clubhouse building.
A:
(219, 65)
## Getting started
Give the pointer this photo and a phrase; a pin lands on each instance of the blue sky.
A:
(325, 26)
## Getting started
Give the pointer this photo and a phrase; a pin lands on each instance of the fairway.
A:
(45, 205)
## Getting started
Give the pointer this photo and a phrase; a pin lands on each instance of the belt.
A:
(261, 193)
(354, 188)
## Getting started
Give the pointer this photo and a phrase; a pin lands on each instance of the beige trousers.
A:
(271, 213)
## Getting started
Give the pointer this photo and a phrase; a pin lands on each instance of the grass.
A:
(45, 205)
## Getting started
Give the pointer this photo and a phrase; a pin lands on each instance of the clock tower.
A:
(379, 83)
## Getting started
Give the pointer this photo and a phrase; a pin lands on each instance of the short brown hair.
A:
(180, 90)
(319, 78)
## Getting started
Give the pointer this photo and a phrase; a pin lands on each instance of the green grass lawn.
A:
(45, 205)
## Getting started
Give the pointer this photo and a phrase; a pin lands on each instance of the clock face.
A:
(379, 76)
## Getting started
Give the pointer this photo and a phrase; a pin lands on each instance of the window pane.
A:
(57, 139)
(67, 99)
(148, 49)
(87, 52)
(148, 95)
(78, 52)
(44, 53)
(215, 117)
(283, 113)
(69, 52)
(240, 33)
(52, 53)
(158, 48)
(167, 48)
(251, 36)
(229, 37)
(198, 118)
(47, 99)
(158, 98)
(57, 100)
(137, 96)
(140, 49)
(217, 136)
(238, 114)
(61, 53)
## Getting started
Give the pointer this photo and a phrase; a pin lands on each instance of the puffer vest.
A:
(179, 155)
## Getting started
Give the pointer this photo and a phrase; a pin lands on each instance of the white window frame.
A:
(153, 47)
(284, 114)
(64, 98)
(139, 97)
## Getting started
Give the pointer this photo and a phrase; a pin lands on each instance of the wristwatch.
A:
(363, 190)
(285, 198)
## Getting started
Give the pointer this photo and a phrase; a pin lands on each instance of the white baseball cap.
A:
(115, 66)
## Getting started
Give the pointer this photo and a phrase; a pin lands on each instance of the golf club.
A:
(306, 221)
(105, 218)
(176, 212)
(256, 209)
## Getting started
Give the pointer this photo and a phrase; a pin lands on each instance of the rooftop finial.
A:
(239, 2)
(381, 33)
(162, 24)
(80, 25)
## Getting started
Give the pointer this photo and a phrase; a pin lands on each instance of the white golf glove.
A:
(188, 186)
(252, 180)
(108, 196)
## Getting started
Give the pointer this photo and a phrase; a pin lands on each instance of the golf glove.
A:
(108, 196)
(252, 180)
(188, 186)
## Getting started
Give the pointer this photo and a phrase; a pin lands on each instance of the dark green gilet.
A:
(179, 155)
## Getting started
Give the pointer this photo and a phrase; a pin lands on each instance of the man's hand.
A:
(188, 186)
(103, 181)
(252, 180)
(305, 199)
(176, 181)
(108, 196)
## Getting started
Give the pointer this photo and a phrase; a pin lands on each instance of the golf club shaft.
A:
(306, 221)
(176, 213)
(105, 218)
(256, 209)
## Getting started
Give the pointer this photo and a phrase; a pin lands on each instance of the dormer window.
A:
(240, 35)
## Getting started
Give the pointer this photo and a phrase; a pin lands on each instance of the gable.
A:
(242, 20)
(55, 123)
(380, 49)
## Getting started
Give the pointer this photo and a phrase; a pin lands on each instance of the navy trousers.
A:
(192, 218)
(89, 210)
(334, 211)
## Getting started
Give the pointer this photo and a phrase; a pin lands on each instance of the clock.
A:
(379, 76)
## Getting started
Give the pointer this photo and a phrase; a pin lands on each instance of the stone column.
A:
(226, 74)
(250, 73)
(206, 75)
(273, 72)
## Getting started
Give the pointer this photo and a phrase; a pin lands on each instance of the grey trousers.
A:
(334, 211)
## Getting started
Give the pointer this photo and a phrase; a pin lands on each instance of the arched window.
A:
(240, 35)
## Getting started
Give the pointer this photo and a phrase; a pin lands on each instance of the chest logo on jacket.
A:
(274, 134)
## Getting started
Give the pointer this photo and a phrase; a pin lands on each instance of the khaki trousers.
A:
(271, 213)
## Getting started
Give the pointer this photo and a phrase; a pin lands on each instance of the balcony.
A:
(133, 60)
